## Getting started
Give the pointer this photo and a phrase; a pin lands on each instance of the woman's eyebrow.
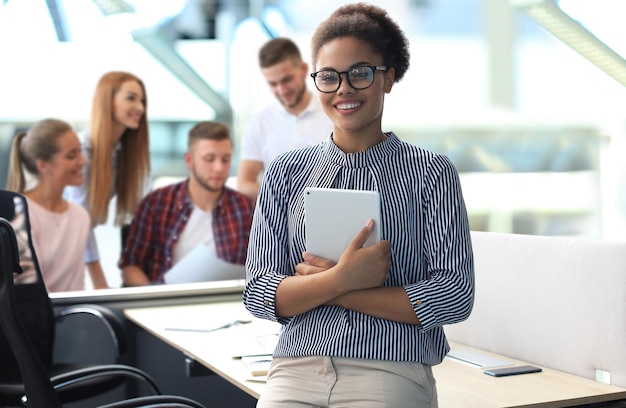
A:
(356, 64)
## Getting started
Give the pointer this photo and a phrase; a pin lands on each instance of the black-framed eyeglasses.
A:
(359, 77)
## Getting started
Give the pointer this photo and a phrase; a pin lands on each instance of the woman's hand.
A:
(318, 281)
(364, 268)
(360, 268)
(313, 264)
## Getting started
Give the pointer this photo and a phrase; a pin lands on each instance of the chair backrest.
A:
(16, 338)
(31, 295)
(38, 387)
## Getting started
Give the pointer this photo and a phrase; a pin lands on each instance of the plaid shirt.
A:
(161, 218)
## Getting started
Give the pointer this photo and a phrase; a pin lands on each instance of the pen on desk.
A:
(197, 330)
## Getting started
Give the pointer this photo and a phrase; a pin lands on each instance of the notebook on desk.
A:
(475, 359)
(202, 265)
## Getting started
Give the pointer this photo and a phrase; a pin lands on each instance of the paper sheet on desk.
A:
(257, 339)
(202, 265)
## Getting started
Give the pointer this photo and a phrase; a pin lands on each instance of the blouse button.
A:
(418, 302)
(266, 303)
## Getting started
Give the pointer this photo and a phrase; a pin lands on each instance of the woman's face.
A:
(128, 105)
(65, 168)
(353, 111)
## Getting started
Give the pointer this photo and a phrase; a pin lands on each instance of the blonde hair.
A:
(40, 142)
(133, 166)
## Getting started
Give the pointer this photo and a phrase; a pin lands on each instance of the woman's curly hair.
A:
(370, 24)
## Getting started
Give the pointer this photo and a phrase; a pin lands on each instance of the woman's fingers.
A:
(362, 236)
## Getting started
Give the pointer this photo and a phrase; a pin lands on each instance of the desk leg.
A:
(195, 369)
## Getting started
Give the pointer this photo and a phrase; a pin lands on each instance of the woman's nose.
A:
(344, 84)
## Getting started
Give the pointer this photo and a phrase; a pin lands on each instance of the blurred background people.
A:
(51, 152)
(118, 160)
(294, 121)
(200, 210)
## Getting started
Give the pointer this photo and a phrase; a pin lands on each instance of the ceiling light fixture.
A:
(549, 15)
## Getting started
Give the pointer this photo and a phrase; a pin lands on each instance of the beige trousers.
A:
(348, 383)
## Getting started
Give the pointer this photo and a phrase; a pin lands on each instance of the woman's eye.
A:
(329, 77)
(358, 74)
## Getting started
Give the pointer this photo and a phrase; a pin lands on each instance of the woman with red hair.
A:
(118, 157)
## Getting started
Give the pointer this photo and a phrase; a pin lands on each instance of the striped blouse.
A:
(423, 216)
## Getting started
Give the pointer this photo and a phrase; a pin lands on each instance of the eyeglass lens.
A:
(358, 78)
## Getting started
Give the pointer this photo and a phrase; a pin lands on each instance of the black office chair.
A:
(39, 390)
(79, 381)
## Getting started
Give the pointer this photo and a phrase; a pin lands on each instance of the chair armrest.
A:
(110, 321)
(104, 370)
(151, 401)
(156, 401)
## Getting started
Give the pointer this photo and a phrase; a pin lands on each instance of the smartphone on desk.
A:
(502, 372)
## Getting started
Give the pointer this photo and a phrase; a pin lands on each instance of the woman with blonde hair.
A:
(51, 152)
(117, 150)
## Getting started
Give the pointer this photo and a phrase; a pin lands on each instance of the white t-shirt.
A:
(60, 240)
(198, 230)
(274, 131)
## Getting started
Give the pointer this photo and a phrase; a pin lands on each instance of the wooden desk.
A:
(458, 384)
(215, 349)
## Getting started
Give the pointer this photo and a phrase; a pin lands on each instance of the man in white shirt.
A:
(296, 120)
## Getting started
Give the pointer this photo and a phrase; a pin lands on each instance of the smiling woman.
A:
(51, 152)
(117, 148)
(364, 330)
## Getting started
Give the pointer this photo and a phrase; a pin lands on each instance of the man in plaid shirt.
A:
(171, 221)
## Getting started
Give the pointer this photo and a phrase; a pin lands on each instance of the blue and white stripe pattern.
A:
(423, 216)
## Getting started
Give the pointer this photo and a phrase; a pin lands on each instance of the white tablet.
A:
(333, 217)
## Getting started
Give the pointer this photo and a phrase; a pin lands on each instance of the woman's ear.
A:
(390, 77)
(42, 166)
